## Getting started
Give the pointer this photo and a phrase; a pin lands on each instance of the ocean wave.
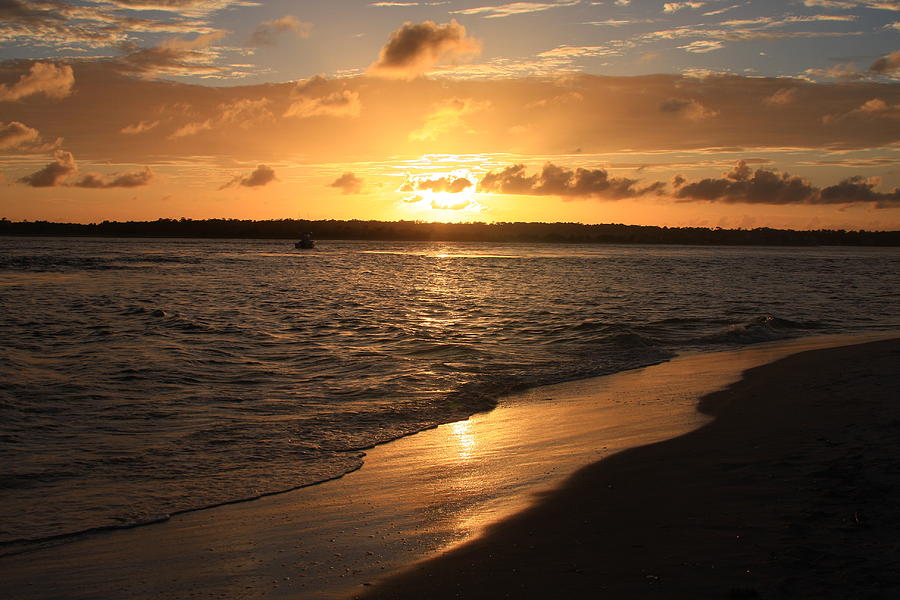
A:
(763, 328)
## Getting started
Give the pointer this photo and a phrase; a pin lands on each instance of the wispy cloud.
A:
(703, 46)
(671, 7)
(446, 117)
(514, 8)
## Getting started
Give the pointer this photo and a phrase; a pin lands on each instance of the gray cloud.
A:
(415, 48)
(261, 176)
(859, 189)
(55, 173)
(743, 185)
(51, 80)
(688, 109)
(61, 23)
(174, 57)
(191, 7)
(267, 33)
(116, 180)
(567, 183)
(348, 183)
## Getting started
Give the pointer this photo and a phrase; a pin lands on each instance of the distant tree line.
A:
(454, 232)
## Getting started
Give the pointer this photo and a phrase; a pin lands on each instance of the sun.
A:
(441, 196)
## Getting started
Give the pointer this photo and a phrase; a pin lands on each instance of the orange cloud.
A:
(14, 134)
(887, 64)
(447, 116)
(312, 98)
(43, 78)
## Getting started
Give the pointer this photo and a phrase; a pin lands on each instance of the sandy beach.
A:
(791, 492)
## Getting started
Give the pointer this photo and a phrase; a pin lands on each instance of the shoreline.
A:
(791, 491)
(273, 547)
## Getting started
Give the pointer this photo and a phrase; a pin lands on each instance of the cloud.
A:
(781, 97)
(244, 113)
(671, 7)
(192, 128)
(53, 174)
(51, 80)
(407, 4)
(566, 183)
(873, 109)
(62, 24)
(857, 190)
(450, 184)
(514, 8)
(313, 98)
(887, 64)
(175, 57)
(702, 46)
(688, 109)
(116, 180)
(15, 134)
(190, 7)
(892, 5)
(140, 127)
(261, 176)
(348, 183)
(267, 33)
(414, 49)
(448, 116)
(743, 185)
(843, 72)
(441, 204)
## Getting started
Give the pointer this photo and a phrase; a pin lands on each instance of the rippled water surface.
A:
(144, 377)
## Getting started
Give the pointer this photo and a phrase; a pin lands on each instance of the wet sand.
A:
(439, 489)
(793, 491)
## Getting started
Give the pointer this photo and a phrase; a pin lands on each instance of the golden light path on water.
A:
(414, 497)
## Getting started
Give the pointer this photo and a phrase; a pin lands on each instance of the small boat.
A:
(306, 242)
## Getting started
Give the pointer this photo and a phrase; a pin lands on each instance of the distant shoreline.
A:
(414, 231)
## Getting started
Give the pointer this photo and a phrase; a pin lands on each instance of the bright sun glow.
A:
(441, 195)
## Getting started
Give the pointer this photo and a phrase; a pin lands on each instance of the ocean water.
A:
(143, 377)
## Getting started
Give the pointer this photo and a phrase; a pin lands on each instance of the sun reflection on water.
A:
(464, 437)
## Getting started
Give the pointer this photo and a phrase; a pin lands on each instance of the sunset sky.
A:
(704, 113)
